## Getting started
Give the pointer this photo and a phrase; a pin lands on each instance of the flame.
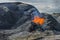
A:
(38, 20)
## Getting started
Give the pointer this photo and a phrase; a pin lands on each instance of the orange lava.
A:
(38, 20)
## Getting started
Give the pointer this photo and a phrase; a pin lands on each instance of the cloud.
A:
(49, 6)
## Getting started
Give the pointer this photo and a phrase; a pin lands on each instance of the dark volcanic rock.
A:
(14, 18)
(12, 14)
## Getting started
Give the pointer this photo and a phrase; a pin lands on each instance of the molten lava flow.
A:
(38, 20)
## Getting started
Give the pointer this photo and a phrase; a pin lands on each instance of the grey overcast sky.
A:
(48, 6)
